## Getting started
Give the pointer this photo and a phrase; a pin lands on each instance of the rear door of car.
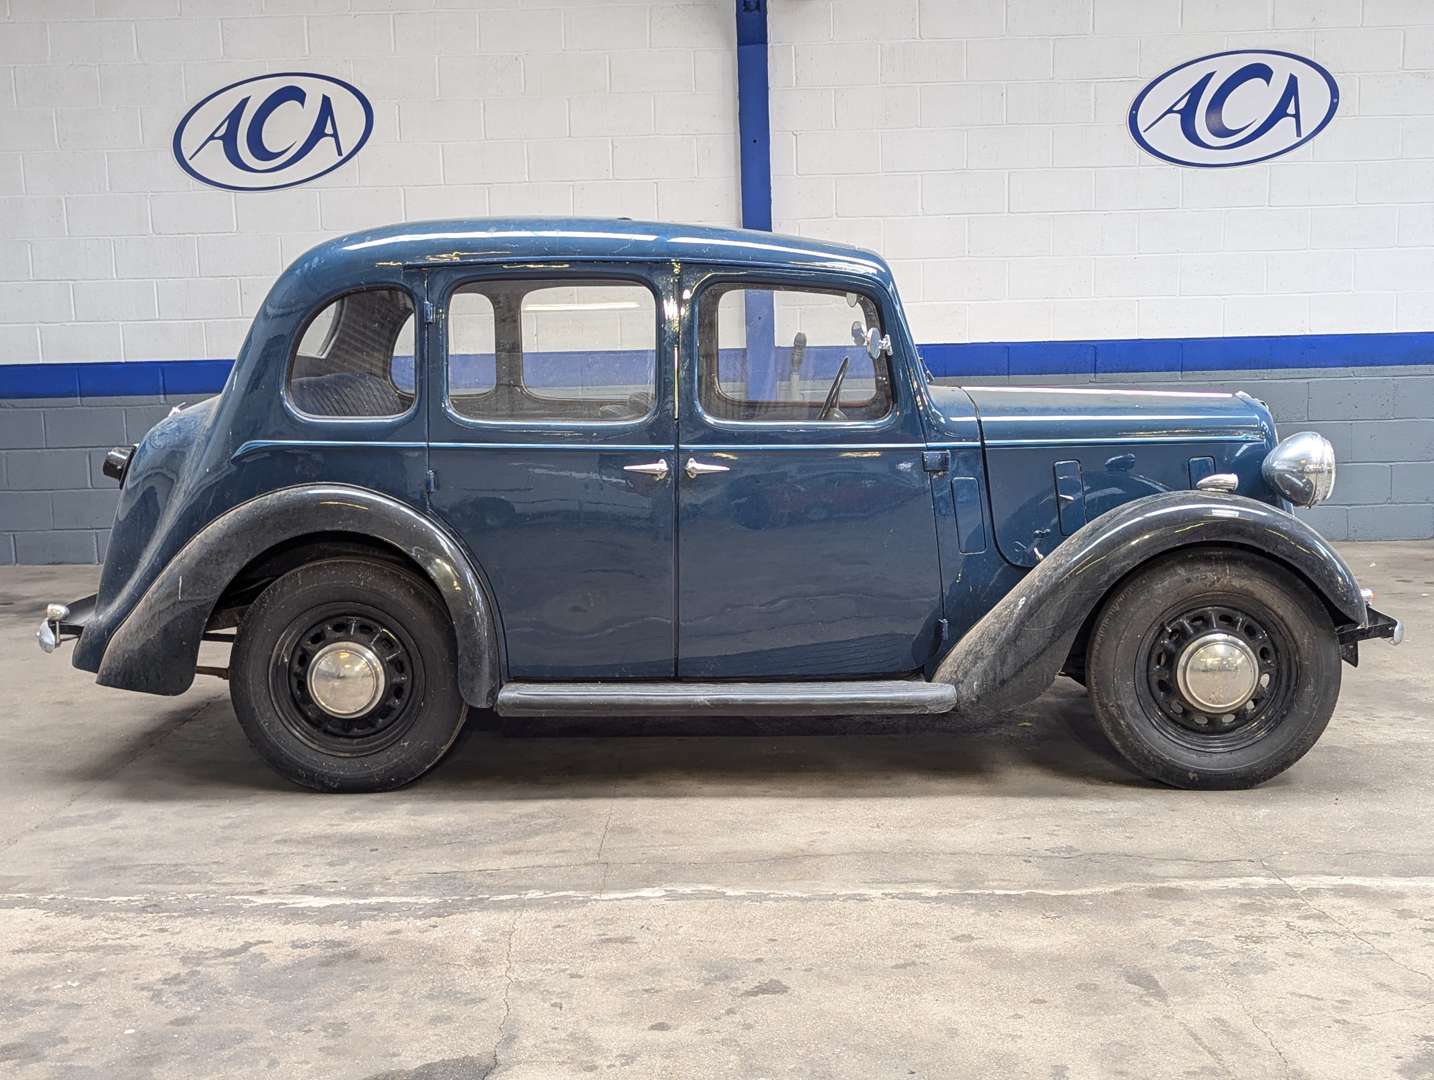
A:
(552, 456)
(806, 539)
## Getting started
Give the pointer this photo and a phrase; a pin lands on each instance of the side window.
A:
(570, 350)
(355, 358)
(788, 354)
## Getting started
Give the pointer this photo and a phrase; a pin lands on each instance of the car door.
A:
(806, 539)
(552, 454)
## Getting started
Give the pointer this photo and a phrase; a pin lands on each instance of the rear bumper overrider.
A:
(64, 622)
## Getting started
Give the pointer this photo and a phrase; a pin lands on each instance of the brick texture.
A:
(1018, 111)
(980, 145)
(108, 251)
(1001, 126)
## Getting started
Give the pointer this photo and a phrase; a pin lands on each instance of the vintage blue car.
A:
(608, 467)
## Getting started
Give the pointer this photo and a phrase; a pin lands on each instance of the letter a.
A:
(227, 135)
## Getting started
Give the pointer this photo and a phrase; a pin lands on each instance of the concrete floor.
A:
(852, 898)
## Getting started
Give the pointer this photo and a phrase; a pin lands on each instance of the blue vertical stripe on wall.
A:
(753, 122)
(754, 133)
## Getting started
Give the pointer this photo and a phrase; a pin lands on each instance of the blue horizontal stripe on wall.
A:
(1115, 356)
(149, 378)
(1132, 356)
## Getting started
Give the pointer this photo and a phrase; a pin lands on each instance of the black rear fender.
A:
(155, 648)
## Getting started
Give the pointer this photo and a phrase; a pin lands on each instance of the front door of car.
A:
(806, 542)
(552, 455)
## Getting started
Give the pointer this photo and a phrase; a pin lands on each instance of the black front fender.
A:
(155, 648)
(1017, 649)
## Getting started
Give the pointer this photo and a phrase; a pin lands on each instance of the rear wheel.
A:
(344, 676)
(1213, 670)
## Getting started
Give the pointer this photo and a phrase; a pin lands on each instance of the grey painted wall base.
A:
(56, 506)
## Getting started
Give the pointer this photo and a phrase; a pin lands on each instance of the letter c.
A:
(254, 137)
(1215, 109)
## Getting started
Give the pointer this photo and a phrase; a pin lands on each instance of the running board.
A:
(890, 696)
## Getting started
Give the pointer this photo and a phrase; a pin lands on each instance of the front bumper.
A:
(1376, 625)
(64, 622)
(1379, 625)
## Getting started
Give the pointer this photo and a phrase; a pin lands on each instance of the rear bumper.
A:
(64, 622)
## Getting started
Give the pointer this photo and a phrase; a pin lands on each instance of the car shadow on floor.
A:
(1052, 745)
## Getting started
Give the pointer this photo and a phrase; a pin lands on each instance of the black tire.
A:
(418, 710)
(1146, 626)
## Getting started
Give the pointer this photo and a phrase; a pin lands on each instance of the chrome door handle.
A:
(657, 468)
(697, 468)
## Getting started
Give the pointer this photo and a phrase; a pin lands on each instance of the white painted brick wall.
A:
(1070, 230)
(980, 144)
(109, 251)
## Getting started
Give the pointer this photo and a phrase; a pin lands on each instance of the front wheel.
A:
(1213, 670)
(344, 676)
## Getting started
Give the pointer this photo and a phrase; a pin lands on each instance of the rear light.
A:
(117, 463)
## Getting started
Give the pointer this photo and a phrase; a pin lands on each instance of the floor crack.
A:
(1289, 1069)
(507, 997)
(1299, 895)
(602, 882)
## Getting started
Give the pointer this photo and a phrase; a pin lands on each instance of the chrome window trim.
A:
(890, 418)
(549, 425)
(255, 446)
(727, 448)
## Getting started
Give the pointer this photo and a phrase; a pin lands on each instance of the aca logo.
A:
(273, 131)
(1234, 108)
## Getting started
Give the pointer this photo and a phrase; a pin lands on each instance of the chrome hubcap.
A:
(346, 678)
(1217, 672)
(1217, 677)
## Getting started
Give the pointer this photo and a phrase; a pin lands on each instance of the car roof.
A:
(465, 240)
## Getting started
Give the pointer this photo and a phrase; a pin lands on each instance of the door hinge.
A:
(428, 311)
(936, 460)
(430, 481)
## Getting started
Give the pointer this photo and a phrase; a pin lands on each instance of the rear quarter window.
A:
(355, 357)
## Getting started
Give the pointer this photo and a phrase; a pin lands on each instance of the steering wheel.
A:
(829, 406)
(636, 405)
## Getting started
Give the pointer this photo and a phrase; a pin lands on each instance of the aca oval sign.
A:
(1234, 108)
(273, 131)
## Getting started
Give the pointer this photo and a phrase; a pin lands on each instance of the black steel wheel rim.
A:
(378, 727)
(1187, 723)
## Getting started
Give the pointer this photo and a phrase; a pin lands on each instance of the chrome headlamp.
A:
(1301, 468)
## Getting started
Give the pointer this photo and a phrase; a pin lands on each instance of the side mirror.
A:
(875, 342)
